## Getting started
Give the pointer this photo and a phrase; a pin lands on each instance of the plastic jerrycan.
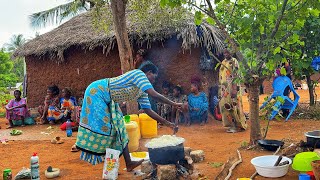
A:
(133, 133)
(148, 126)
(135, 117)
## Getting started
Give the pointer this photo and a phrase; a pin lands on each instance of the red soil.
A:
(211, 138)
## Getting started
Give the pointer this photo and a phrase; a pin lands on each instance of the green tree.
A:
(302, 53)
(7, 77)
(62, 12)
(256, 31)
(15, 42)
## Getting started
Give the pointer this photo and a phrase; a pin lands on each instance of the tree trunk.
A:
(311, 89)
(118, 8)
(253, 96)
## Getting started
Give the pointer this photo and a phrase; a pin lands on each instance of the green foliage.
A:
(7, 77)
(263, 27)
(5, 98)
(215, 164)
(147, 15)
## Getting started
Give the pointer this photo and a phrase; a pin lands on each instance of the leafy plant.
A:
(268, 108)
(215, 164)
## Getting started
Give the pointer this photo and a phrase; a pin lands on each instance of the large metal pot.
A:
(313, 138)
(166, 155)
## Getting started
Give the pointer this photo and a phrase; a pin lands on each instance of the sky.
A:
(14, 17)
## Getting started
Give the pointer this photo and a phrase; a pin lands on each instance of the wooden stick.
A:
(234, 165)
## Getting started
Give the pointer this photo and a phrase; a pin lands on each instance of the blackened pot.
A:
(166, 155)
(313, 138)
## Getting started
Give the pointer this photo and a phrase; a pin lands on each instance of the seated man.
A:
(16, 109)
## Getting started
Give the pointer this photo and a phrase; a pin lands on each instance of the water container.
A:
(69, 128)
(34, 161)
(135, 117)
(133, 133)
(148, 126)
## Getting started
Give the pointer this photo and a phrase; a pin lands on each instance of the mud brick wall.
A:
(83, 67)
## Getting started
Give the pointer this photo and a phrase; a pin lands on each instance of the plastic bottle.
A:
(34, 161)
(69, 128)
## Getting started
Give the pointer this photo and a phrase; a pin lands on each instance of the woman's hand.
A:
(174, 127)
(177, 106)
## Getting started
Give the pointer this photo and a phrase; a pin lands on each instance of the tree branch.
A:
(203, 10)
(234, 6)
(276, 27)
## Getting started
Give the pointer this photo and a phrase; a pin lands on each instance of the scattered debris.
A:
(24, 173)
(215, 164)
(197, 156)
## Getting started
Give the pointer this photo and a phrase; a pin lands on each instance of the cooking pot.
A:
(271, 145)
(313, 138)
(166, 155)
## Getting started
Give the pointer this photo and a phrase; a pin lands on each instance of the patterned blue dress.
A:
(200, 102)
(101, 120)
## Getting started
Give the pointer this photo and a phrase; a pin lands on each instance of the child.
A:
(68, 105)
(197, 102)
(165, 109)
(214, 102)
(180, 98)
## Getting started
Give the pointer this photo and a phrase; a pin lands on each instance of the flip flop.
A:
(74, 149)
(57, 140)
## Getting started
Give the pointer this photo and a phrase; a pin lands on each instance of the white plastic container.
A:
(265, 166)
(34, 161)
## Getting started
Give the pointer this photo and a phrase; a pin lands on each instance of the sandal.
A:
(9, 127)
(57, 140)
(74, 148)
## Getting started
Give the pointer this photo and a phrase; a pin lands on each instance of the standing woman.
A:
(231, 98)
(16, 109)
(101, 120)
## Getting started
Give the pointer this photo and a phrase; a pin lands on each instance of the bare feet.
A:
(23, 125)
(51, 122)
(188, 124)
(9, 127)
(133, 164)
(202, 123)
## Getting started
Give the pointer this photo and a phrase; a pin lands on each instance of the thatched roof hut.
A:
(85, 54)
(79, 31)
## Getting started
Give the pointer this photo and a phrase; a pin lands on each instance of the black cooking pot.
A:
(313, 138)
(166, 155)
(270, 145)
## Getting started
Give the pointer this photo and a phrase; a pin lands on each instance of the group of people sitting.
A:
(55, 109)
(195, 105)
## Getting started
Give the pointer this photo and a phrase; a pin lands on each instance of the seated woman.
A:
(50, 111)
(16, 109)
(164, 110)
(68, 105)
(178, 97)
(197, 103)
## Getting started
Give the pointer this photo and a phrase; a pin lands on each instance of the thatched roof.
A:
(79, 31)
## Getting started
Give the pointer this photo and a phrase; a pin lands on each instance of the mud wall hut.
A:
(76, 54)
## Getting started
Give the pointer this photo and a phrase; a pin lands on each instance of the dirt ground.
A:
(217, 145)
